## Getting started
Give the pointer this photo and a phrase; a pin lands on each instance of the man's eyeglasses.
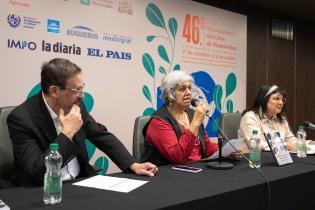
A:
(76, 92)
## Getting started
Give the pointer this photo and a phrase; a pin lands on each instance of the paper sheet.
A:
(227, 149)
(111, 183)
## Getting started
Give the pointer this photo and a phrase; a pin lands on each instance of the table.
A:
(291, 187)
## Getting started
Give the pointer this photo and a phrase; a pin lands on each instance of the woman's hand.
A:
(199, 116)
(235, 155)
(291, 146)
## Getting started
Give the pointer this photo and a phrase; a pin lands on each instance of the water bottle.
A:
(254, 150)
(301, 142)
(52, 179)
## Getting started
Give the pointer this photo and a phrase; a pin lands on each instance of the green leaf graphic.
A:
(214, 125)
(148, 111)
(230, 84)
(176, 67)
(150, 38)
(163, 53)
(102, 162)
(217, 96)
(148, 64)
(229, 105)
(146, 93)
(172, 25)
(90, 148)
(88, 101)
(162, 70)
(155, 16)
(35, 90)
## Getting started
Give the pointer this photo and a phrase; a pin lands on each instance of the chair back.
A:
(230, 123)
(6, 150)
(138, 138)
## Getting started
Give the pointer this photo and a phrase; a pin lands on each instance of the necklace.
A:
(182, 119)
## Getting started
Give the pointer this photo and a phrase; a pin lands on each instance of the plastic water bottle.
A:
(52, 179)
(254, 150)
(301, 142)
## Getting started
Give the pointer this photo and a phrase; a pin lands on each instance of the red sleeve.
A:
(163, 137)
(211, 147)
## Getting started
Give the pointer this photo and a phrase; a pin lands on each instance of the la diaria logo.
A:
(13, 20)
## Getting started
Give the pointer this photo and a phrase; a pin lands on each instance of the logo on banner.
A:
(109, 4)
(14, 20)
(125, 7)
(109, 54)
(30, 22)
(82, 31)
(53, 26)
(116, 38)
(59, 47)
(85, 2)
(20, 44)
(19, 3)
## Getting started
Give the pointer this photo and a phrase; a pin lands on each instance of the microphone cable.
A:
(194, 103)
(249, 161)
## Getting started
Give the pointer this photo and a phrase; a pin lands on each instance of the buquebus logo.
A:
(20, 44)
(14, 20)
(82, 31)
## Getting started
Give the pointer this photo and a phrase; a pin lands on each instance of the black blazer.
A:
(32, 129)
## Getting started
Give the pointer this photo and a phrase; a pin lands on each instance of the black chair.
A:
(138, 138)
(6, 150)
(230, 123)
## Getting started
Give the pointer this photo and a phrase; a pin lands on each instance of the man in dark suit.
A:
(57, 114)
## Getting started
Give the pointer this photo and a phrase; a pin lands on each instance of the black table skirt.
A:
(291, 187)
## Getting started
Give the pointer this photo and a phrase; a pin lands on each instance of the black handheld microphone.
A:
(194, 102)
(309, 125)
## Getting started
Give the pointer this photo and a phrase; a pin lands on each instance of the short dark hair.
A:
(262, 98)
(57, 72)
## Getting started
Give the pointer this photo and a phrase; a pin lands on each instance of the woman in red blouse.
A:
(175, 133)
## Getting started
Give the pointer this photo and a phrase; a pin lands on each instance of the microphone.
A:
(194, 102)
(221, 165)
(309, 125)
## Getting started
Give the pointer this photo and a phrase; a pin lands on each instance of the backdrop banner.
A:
(125, 48)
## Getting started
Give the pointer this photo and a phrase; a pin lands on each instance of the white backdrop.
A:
(125, 48)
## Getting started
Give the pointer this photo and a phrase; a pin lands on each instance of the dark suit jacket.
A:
(32, 129)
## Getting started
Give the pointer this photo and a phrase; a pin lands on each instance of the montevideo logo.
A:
(59, 47)
(13, 20)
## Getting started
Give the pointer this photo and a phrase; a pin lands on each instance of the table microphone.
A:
(216, 164)
(309, 125)
(219, 165)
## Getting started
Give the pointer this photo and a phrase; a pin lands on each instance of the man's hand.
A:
(144, 169)
(72, 122)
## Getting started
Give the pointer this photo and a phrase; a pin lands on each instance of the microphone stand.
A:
(220, 165)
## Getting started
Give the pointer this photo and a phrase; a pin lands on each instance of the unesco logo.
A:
(14, 20)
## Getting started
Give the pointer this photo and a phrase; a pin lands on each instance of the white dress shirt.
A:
(72, 169)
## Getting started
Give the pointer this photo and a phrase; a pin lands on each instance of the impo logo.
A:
(21, 44)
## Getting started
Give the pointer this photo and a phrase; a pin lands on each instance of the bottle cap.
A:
(255, 132)
(301, 126)
(54, 146)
